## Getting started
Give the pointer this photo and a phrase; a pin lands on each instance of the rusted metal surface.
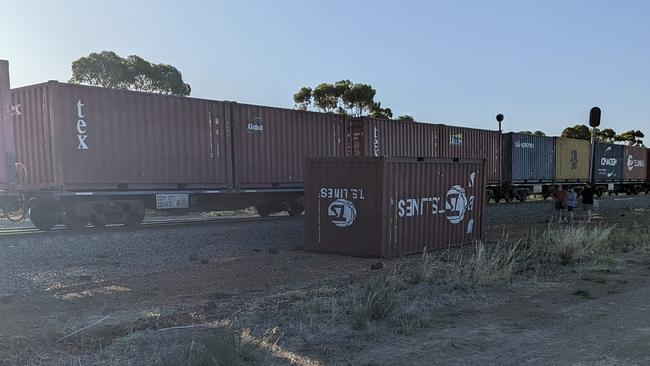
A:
(380, 137)
(572, 160)
(82, 138)
(608, 163)
(271, 144)
(635, 163)
(392, 206)
(528, 158)
(7, 151)
(462, 142)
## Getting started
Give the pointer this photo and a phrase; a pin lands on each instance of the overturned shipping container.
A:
(607, 163)
(463, 142)
(572, 160)
(634, 164)
(381, 137)
(528, 158)
(389, 207)
(74, 137)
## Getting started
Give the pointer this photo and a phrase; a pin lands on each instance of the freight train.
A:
(78, 155)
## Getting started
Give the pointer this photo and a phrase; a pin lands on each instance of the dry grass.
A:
(635, 237)
(377, 300)
(404, 301)
(567, 245)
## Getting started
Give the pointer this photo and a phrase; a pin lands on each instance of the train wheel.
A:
(135, 214)
(522, 195)
(98, 220)
(45, 217)
(263, 210)
(73, 220)
(295, 208)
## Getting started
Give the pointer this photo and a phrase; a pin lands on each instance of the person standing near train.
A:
(559, 200)
(571, 199)
(588, 202)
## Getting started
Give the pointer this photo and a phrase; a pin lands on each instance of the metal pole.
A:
(592, 161)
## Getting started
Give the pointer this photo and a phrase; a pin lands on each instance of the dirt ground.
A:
(295, 305)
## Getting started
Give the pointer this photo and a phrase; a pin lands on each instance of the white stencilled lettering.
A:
(81, 127)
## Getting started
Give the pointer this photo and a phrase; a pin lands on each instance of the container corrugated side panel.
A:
(36, 167)
(533, 158)
(572, 160)
(463, 142)
(635, 163)
(271, 144)
(138, 140)
(608, 163)
(381, 137)
(432, 204)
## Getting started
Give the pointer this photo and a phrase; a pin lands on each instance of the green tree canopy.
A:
(302, 98)
(344, 97)
(406, 118)
(580, 132)
(607, 135)
(536, 133)
(109, 70)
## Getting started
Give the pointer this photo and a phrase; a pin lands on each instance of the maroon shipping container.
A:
(635, 163)
(270, 144)
(463, 142)
(381, 137)
(392, 206)
(7, 152)
(77, 137)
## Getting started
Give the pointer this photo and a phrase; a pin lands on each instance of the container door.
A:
(7, 152)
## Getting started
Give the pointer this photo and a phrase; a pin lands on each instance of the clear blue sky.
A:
(541, 63)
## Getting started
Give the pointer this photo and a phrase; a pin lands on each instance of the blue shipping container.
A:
(528, 158)
(608, 163)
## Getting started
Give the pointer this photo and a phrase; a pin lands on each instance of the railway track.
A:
(549, 200)
(152, 223)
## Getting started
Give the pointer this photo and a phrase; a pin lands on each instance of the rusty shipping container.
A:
(528, 158)
(7, 151)
(635, 163)
(572, 160)
(381, 137)
(389, 207)
(77, 137)
(271, 144)
(463, 142)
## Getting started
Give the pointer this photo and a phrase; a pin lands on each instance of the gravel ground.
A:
(54, 284)
(540, 211)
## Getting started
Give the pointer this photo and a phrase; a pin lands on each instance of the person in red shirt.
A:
(559, 200)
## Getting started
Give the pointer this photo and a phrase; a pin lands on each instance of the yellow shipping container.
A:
(572, 160)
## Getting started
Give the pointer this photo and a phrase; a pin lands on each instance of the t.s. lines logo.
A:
(81, 127)
(454, 205)
(341, 211)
